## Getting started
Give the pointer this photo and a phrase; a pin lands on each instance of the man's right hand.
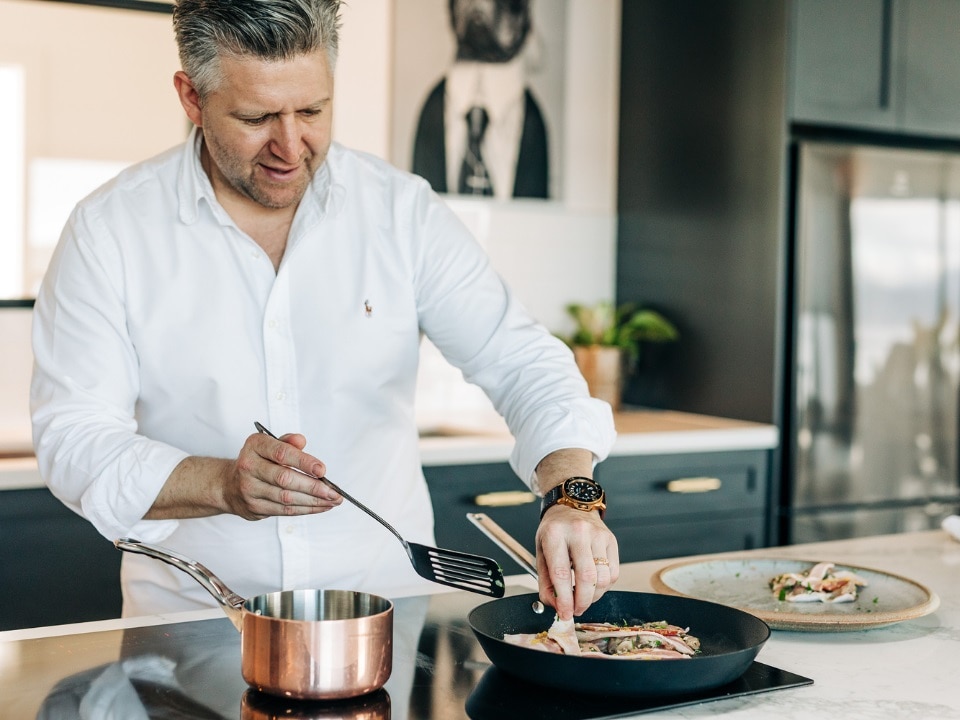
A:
(265, 481)
(262, 482)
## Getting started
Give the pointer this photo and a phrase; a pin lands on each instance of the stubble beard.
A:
(241, 176)
(272, 195)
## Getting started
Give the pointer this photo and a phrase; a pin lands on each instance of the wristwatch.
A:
(576, 492)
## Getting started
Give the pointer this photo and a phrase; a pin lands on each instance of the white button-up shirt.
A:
(162, 330)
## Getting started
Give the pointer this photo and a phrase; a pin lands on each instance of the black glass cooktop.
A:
(192, 670)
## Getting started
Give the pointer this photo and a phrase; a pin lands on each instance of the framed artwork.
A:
(478, 95)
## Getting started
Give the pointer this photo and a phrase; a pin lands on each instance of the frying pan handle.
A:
(230, 602)
(507, 543)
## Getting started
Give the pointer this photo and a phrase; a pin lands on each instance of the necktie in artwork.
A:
(474, 178)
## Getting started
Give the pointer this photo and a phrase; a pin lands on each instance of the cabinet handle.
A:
(505, 498)
(694, 485)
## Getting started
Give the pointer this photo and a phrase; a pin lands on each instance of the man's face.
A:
(489, 30)
(267, 128)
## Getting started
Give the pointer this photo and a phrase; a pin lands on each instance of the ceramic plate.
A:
(744, 583)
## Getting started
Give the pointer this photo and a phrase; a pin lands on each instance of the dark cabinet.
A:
(54, 567)
(885, 65)
(687, 504)
(491, 488)
(659, 505)
(700, 198)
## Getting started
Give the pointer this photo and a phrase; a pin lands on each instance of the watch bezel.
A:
(558, 496)
(573, 481)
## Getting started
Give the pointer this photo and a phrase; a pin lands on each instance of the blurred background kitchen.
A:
(779, 177)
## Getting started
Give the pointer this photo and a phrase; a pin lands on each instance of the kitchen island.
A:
(906, 669)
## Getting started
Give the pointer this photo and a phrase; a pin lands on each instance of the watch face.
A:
(582, 491)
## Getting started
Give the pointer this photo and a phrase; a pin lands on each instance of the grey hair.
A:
(206, 30)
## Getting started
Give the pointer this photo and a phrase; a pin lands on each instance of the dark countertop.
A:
(192, 670)
(440, 670)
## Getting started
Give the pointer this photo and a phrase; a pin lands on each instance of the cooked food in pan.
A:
(647, 641)
(821, 583)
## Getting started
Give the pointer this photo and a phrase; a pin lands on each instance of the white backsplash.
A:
(550, 256)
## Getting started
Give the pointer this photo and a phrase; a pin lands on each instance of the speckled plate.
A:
(743, 583)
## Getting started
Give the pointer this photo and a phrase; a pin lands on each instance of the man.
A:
(480, 131)
(261, 272)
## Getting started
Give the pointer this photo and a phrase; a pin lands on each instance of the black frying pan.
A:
(730, 640)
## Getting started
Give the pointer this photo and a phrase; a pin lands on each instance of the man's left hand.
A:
(577, 559)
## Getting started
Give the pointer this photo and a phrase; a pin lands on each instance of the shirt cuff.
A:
(587, 424)
(116, 509)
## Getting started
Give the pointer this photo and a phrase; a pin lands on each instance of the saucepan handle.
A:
(231, 603)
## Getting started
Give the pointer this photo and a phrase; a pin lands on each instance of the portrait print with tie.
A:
(487, 127)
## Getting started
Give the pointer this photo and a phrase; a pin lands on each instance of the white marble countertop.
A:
(907, 670)
(640, 432)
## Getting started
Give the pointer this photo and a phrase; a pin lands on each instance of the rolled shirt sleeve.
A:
(84, 391)
(476, 321)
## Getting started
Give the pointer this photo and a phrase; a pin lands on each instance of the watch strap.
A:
(550, 498)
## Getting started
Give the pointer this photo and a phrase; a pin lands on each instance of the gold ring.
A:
(601, 561)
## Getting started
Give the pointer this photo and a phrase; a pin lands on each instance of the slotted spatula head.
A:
(460, 570)
(448, 567)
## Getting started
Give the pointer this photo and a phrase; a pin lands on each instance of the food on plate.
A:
(646, 641)
(821, 583)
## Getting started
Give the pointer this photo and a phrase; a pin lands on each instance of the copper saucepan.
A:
(305, 644)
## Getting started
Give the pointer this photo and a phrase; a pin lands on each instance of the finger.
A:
(293, 487)
(294, 471)
(585, 569)
(281, 452)
(548, 596)
(607, 561)
(295, 439)
(556, 577)
(280, 490)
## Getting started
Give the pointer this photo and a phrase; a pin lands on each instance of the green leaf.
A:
(624, 327)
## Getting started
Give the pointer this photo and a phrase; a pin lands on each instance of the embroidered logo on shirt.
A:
(367, 308)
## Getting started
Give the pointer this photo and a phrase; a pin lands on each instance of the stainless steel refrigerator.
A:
(874, 328)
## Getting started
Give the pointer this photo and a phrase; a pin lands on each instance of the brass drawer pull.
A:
(694, 485)
(505, 498)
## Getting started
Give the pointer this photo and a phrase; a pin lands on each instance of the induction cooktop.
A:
(501, 696)
(192, 670)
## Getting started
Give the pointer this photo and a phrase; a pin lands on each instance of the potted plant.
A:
(606, 343)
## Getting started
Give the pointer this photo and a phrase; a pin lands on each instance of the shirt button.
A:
(272, 323)
(290, 530)
(281, 396)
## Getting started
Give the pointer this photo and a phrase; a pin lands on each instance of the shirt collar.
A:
(324, 196)
(494, 86)
(194, 185)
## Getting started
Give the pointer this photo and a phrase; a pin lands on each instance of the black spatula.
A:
(461, 570)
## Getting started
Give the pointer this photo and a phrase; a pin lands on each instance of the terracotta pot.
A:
(602, 368)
